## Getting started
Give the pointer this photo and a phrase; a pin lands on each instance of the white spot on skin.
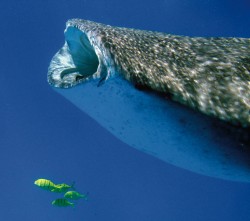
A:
(207, 63)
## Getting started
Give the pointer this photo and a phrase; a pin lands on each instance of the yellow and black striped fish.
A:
(62, 188)
(61, 202)
(45, 184)
(74, 195)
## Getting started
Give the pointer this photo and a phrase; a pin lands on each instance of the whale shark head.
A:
(102, 81)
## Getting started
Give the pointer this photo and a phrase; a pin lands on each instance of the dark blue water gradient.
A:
(43, 135)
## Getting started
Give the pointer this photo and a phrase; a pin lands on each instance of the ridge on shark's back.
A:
(127, 76)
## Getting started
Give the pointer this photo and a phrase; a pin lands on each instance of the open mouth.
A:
(75, 62)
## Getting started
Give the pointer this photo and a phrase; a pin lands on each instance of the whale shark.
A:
(184, 100)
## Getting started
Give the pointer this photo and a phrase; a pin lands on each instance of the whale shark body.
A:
(184, 100)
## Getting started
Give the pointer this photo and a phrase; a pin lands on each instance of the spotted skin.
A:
(211, 75)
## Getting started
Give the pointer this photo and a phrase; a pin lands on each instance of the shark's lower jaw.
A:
(75, 62)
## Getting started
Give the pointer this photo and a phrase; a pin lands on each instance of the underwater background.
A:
(42, 135)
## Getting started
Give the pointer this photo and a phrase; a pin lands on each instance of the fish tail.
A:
(53, 189)
(73, 185)
(86, 196)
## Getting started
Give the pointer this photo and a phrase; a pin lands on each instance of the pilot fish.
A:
(45, 184)
(74, 195)
(62, 188)
(61, 202)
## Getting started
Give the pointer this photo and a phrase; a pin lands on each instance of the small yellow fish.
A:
(62, 188)
(45, 184)
(61, 202)
(74, 195)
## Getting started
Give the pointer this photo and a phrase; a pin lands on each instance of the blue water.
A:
(43, 135)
